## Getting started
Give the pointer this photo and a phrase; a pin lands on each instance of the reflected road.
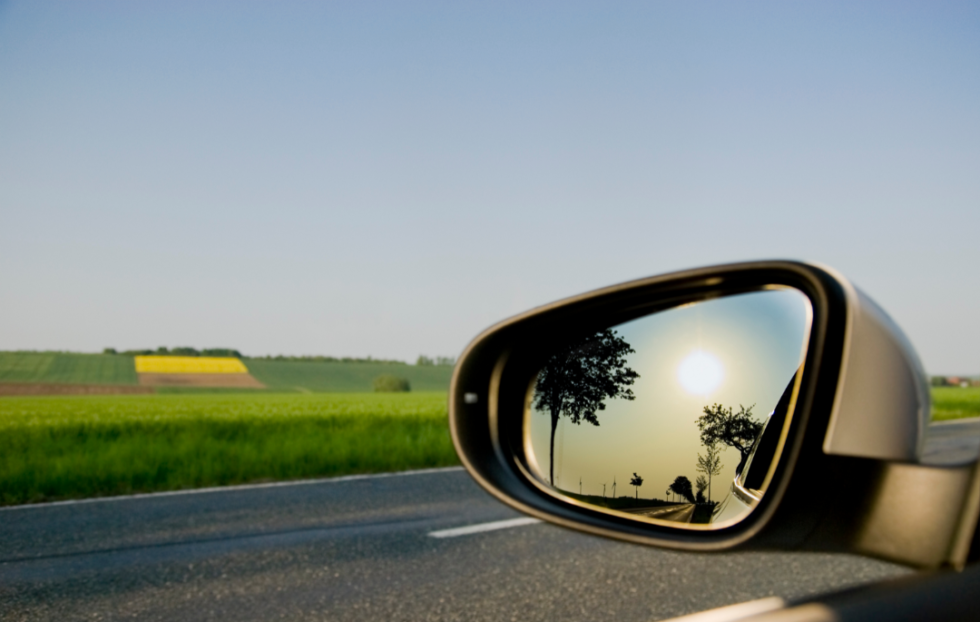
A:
(681, 513)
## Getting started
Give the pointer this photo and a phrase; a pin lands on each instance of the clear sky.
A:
(388, 179)
(757, 343)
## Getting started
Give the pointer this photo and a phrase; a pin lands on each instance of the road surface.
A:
(952, 442)
(364, 549)
(680, 513)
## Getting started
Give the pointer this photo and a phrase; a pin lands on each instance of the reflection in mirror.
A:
(676, 416)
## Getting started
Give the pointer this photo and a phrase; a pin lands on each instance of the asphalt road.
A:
(361, 549)
(680, 513)
(952, 442)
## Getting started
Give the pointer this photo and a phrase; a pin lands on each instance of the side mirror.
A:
(765, 405)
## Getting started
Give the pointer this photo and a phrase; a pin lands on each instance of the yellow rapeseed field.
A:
(189, 365)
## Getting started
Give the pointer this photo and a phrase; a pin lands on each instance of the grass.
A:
(67, 368)
(955, 403)
(86, 446)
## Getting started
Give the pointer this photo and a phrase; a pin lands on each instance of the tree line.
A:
(327, 359)
(436, 360)
(179, 351)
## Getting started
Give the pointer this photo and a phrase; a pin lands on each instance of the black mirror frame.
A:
(490, 383)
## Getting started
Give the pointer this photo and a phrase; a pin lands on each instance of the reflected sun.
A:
(700, 373)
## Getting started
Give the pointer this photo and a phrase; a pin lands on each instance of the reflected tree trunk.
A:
(579, 377)
(551, 461)
(745, 452)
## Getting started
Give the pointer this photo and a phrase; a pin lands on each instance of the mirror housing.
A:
(851, 449)
(882, 406)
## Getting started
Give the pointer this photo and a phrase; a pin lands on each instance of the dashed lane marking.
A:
(481, 527)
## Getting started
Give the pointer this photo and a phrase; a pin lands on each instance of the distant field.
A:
(73, 447)
(344, 377)
(955, 403)
(67, 368)
(277, 376)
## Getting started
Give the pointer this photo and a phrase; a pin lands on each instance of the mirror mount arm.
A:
(919, 515)
(923, 516)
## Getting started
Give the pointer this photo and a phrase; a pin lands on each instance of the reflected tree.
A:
(709, 464)
(682, 487)
(734, 429)
(636, 482)
(578, 378)
(699, 485)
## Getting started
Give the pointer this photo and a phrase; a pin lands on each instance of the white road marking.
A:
(481, 527)
(197, 491)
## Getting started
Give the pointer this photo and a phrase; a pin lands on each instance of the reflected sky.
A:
(737, 350)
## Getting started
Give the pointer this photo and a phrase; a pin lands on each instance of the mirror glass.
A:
(673, 417)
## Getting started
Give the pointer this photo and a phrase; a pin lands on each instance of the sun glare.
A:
(700, 373)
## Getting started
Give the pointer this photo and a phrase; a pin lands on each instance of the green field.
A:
(67, 368)
(955, 403)
(85, 446)
(277, 376)
(344, 377)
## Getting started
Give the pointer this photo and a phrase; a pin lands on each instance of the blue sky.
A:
(390, 178)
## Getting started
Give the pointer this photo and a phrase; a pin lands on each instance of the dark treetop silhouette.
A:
(720, 425)
(636, 482)
(577, 379)
(682, 487)
(699, 485)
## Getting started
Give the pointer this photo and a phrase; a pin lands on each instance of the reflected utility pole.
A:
(614, 486)
(603, 490)
(579, 484)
